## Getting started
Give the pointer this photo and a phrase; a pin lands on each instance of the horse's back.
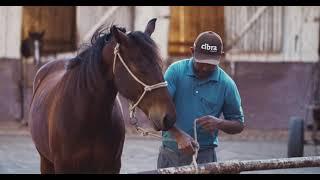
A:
(47, 69)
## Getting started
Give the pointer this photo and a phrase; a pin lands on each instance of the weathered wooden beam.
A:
(102, 20)
(236, 166)
(246, 27)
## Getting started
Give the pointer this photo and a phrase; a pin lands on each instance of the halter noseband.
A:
(146, 87)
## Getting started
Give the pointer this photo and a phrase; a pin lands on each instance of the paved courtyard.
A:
(18, 155)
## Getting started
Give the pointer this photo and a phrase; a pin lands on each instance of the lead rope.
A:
(195, 155)
(145, 132)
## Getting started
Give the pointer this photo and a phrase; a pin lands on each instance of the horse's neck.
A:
(100, 100)
(93, 78)
(97, 76)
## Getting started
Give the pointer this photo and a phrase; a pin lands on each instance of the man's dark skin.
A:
(186, 143)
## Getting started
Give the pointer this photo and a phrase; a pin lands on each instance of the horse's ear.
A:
(119, 36)
(150, 26)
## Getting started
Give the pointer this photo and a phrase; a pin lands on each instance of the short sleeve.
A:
(171, 77)
(232, 108)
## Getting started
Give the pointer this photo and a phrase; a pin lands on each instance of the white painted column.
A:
(88, 16)
(310, 33)
(10, 31)
(144, 13)
(301, 33)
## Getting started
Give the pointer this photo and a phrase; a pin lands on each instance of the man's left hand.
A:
(209, 123)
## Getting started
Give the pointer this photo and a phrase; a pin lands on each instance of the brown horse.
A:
(75, 121)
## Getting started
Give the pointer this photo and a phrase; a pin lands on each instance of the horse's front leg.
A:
(46, 166)
(87, 162)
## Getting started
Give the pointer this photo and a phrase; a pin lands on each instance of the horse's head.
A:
(36, 35)
(136, 68)
(32, 46)
(36, 39)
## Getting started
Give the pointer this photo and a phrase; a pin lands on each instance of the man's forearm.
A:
(174, 131)
(230, 126)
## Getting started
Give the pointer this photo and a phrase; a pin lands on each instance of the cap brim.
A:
(202, 58)
(207, 61)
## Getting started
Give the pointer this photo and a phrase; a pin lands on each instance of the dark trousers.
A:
(170, 158)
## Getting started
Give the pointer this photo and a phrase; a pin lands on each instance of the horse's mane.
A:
(87, 65)
(92, 52)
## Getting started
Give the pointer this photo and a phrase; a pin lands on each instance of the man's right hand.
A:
(186, 143)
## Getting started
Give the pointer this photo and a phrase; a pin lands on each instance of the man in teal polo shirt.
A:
(201, 91)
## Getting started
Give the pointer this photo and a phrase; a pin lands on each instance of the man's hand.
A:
(209, 123)
(186, 143)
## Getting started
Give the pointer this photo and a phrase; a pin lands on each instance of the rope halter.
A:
(150, 88)
(146, 87)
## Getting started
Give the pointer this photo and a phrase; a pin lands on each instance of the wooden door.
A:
(58, 22)
(188, 21)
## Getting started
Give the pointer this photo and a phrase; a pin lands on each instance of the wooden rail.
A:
(236, 166)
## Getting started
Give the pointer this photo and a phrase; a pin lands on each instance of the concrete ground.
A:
(19, 156)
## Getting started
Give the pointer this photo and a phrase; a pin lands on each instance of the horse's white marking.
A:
(36, 51)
